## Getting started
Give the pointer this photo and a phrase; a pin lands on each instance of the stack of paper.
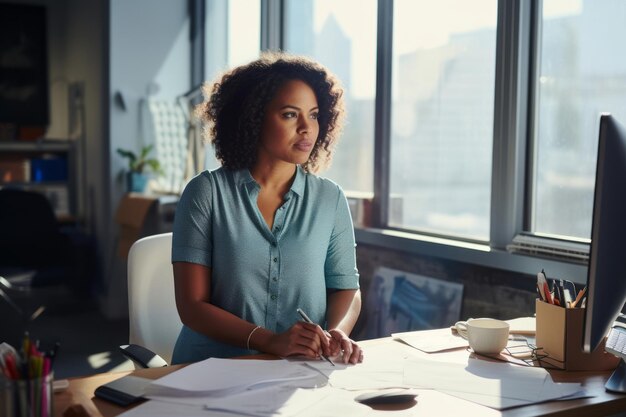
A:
(493, 384)
(280, 400)
(215, 377)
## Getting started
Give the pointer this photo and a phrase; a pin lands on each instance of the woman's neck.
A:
(275, 177)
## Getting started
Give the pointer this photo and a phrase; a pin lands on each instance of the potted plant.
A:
(136, 178)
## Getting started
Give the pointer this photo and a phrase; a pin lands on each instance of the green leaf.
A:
(138, 163)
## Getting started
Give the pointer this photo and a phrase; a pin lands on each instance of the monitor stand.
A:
(617, 381)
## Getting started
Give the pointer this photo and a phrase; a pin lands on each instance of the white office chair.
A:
(154, 320)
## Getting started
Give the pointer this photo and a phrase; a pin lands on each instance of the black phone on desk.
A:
(123, 391)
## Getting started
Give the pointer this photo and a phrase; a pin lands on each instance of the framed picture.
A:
(399, 301)
(23, 65)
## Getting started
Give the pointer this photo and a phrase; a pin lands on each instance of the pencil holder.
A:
(560, 339)
(26, 397)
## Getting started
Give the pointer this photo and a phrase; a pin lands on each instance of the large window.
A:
(232, 37)
(442, 116)
(342, 36)
(581, 73)
(486, 122)
(232, 34)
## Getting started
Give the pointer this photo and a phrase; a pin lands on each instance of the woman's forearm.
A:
(217, 323)
(343, 308)
(192, 283)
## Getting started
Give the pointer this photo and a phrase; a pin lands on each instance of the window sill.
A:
(472, 253)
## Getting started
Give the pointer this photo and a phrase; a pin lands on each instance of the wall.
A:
(487, 292)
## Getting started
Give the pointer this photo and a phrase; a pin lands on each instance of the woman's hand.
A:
(302, 339)
(339, 342)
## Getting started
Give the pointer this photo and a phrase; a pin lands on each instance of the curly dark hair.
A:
(237, 101)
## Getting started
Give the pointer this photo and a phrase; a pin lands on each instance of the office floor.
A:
(88, 340)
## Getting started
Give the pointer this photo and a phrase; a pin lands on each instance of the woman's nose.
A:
(304, 125)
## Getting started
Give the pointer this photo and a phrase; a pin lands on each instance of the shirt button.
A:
(275, 259)
(274, 279)
(273, 297)
(277, 228)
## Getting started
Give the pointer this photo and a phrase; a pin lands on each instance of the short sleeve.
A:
(192, 237)
(340, 266)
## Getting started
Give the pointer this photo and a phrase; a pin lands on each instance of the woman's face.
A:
(290, 127)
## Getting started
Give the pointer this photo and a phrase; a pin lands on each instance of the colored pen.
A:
(308, 320)
(548, 295)
(580, 295)
(542, 285)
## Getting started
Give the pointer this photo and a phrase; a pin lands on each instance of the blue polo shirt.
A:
(258, 274)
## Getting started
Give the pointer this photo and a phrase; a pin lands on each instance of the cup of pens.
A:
(26, 397)
(25, 382)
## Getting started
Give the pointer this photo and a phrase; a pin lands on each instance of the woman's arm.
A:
(192, 284)
(343, 308)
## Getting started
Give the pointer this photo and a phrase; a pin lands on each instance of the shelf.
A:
(36, 146)
(33, 183)
(54, 160)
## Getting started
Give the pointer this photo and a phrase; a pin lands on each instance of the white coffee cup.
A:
(484, 335)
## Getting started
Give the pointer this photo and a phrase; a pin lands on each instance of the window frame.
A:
(517, 34)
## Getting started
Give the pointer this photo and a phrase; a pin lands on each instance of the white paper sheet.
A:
(275, 400)
(164, 409)
(522, 325)
(215, 376)
(431, 341)
(382, 367)
(496, 385)
(287, 401)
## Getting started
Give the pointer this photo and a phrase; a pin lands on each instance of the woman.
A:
(262, 236)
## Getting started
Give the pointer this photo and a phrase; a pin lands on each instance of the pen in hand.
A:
(308, 320)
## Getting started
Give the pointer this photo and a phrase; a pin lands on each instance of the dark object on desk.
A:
(389, 396)
(124, 391)
(606, 287)
(76, 410)
(142, 357)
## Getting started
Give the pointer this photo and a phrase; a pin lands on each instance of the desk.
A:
(429, 403)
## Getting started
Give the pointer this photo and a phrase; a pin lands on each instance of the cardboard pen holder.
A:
(560, 335)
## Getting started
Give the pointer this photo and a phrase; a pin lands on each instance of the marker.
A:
(308, 320)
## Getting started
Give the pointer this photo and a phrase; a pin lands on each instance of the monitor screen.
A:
(606, 277)
(23, 65)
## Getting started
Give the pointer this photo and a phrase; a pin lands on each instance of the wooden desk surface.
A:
(81, 391)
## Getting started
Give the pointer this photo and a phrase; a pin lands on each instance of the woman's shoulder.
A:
(203, 182)
(323, 185)
(208, 176)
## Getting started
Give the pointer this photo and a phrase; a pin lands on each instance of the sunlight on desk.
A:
(448, 384)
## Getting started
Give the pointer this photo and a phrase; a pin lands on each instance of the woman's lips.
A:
(304, 145)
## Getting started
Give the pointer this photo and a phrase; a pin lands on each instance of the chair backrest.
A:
(154, 320)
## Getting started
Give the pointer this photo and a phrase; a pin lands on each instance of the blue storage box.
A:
(48, 169)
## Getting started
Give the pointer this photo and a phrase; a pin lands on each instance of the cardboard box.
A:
(17, 170)
(131, 215)
(560, 336)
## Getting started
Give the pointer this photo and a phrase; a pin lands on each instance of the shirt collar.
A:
(243, 177)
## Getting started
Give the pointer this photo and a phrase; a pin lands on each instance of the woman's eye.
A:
(289, 115)
(315, 116)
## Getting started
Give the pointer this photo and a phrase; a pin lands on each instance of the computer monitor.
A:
(606, 277)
